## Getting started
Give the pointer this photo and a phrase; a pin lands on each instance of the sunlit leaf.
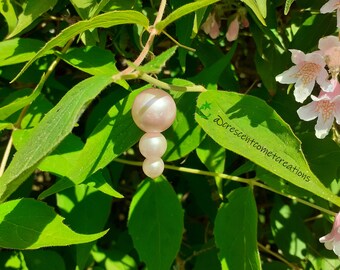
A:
(157, 239)
(32, 9)
(247, 126)
(53, 128)
(31, 224)
(105, 20)
(236, 231)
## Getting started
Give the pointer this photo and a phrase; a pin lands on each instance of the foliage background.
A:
(226, 213)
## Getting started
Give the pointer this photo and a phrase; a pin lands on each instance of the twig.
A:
(249, 181)
(153, 32)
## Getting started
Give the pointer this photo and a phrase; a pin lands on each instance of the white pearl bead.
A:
(152, 145)
(153, 110)
(153, 167)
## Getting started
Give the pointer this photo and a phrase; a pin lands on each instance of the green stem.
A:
(166, 86)
(279, 257)
(148, 44)
(248, 181)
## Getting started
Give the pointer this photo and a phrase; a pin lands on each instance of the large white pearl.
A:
(153, 110)
(152, 145)
(153, 167)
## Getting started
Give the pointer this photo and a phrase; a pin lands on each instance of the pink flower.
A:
(332, 240)
(308, 69)
(330, 47)
(326, 107)
(233, 30)
(211, 26)
(330, 6)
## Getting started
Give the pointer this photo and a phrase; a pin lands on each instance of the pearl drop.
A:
(153, 167)
(153, 110)
(152, 145)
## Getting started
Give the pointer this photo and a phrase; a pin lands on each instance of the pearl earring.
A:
(153, 111)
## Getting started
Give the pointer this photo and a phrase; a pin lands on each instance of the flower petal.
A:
(233, 30)
(316, 58)
(308, 113)
(302, 91)
(322, 127)
(336, 247)
(329, 245)
(322, 80)
(329, 6)
(297, 56)
(288, 76)
(328, 42)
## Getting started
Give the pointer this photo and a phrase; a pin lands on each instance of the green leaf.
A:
(92, 60)
(17, 101)
(256, 9)
(158, 238)
(247, 126)
(236, 231)
(31, 224)
(84, 7)
(212, 155)
(53, 128)
(105, 20)
(61, 161)
(6, 125)
(32, 9)
(182, 11)
(86, 210)
(44, 259)
(8, 11)
(18, 50)
(158, 63)
(100, 148)
(287, 6)
(262, 5)
(185, 134)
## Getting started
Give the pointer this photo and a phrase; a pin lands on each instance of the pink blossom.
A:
(211, 26)
(326, 107)
(308, 69)
(330, 6)
(233, 30)
(332, 240)
(330, 47)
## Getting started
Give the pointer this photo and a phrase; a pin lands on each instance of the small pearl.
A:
(153, 167)
(152, 145)
(153, 110)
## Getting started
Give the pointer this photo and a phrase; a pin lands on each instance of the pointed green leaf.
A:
(18, 50)
(53, 128)
(254, 7)
(7, 10)
(262, 5)
(92, 60)
(182, 11)
(31, 224)
(287, 6)
(156, 65)
(17, 101)
(105, 20)
(249, 127)
(44, 259)
(100, 149)
(32, 9)
(158, 238)
(236, 231)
